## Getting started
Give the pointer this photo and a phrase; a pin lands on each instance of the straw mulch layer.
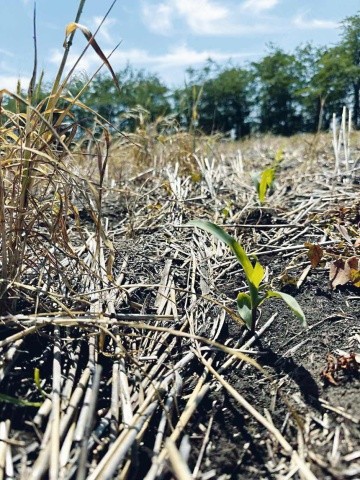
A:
(125, 357)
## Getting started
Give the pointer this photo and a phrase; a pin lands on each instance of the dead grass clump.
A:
(41, 190)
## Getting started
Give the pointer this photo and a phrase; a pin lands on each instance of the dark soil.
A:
(295, 393)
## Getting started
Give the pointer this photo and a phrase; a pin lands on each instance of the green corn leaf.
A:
(266, 180)
(291, 303)
(37, 382)
(18, 401)
(279, 157)
(257, 275)
(219, 233)
(243, 302)
(37, 378)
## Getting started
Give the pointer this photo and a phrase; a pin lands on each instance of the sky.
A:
(163, 36)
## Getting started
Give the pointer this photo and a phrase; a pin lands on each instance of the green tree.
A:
(215, 99)
(324, 84)
(277, 81)
(351, 49)
(331, 83)
(138, 89)
(225, 102)
(186, 99)
(310, 97)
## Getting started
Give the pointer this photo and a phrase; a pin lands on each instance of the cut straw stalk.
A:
(100, 322)
(173, 395)
(4, 446)
(56, 408)
(4, 243)
(41, 464)
(194, 400)
(119, 449)
(9, 357)
(177, 463)
(82, 468)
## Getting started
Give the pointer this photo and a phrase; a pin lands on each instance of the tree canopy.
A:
(283, 92)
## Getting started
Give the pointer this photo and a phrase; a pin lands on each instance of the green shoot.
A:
(20, 402)
(37, 382)
(248, 303)
(263, 181)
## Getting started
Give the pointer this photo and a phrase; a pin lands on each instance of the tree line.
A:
(282, 93)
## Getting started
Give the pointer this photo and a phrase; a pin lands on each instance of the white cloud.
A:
(184, 56)
(105, 28)
(170, 64)
(88, 63)
(10, 82)
(202, 16)
(179, 55)
(301, 22)
(257, 6)
(207, 17)
(7, 53)
(158, 18)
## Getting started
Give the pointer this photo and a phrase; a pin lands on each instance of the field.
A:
(122, 353)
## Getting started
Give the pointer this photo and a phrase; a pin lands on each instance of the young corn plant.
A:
(264, 180)
(249, 303)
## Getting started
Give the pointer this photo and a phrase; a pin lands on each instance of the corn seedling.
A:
(248, 303)
(264, 180)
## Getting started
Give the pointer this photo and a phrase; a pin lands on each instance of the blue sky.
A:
(164, 36)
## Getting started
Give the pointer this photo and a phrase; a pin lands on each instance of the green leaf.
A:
(37, 381)
(219, 233)
(266, 180)
(37, 378)
(18, 401)
(291, 303)
(279, 157)
(244, 306)
(257, 274)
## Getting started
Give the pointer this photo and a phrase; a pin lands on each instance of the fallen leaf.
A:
(354, 264)
(344, 232)
(315, 253)
(339, 273)
(344, 271)
(355, 277)
(357, 243)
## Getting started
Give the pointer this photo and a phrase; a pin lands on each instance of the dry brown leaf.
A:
(344, 232)
(344, 271)
(353, 263)
(315, 253)
(339, 273)
(355, 277)
(71, 27)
